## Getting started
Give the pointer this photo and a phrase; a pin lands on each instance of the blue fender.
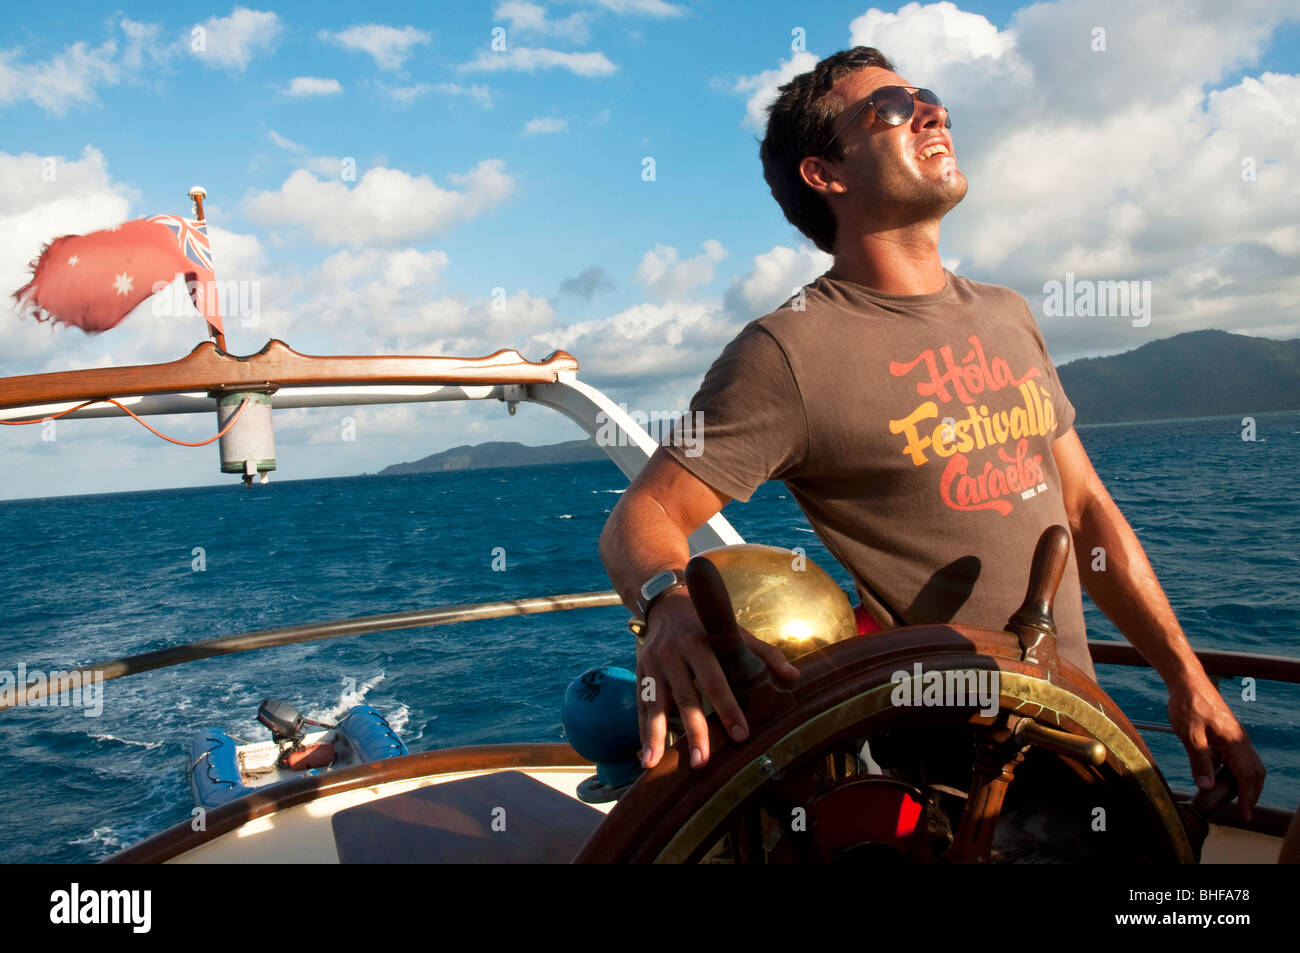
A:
(214, 769)
(369, 734)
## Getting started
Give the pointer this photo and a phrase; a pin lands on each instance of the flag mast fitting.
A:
(197, 194)
(243, 417)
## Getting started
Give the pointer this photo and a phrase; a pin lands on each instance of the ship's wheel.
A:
(860, 764)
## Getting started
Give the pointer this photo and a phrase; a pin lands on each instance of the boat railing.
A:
(1217, 663)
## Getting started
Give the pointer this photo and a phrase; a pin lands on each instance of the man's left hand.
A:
(1210, 731)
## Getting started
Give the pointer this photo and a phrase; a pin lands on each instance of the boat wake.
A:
(148, 745)
(398, 719)
(352, 695)
(102, 839)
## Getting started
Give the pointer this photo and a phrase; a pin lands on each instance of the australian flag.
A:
(93, 281)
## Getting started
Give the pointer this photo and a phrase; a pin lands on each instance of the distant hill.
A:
(500, 454)
(1197, 374)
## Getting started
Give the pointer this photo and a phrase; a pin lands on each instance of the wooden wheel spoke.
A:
(996, 760)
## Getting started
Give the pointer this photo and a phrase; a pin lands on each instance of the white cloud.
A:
(73, 76)
(390, 46)
(667, 278)
(313, 86)
(544, 125)
(666, 346)
(775, 276)
(1152, 53)
(409, 311)
(525, 59)
(406, 95)
(651, 8)
(531, 19)
(762, 87)
(478, 93)
(68, 78)
(43, 197)
(285, 143)
(392, 286)
(327, 167)
(924, 40)
(231, 42)
(144, 42)
(236, 256)
(386, 207)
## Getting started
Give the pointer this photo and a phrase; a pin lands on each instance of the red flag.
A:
(93, 281)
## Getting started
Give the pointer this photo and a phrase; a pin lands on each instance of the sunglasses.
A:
(894, 105)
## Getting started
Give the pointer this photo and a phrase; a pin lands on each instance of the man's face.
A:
(885, 173)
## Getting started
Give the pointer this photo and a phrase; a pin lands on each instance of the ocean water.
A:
(84, 579)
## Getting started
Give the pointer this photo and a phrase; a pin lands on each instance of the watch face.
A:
(658, 584)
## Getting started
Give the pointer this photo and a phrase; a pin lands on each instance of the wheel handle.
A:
(1032, 623)
(748, 675)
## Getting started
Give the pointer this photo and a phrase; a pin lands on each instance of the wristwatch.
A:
(658, 586)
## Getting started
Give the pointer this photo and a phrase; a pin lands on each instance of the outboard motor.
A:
(288, 727)
(285, 721)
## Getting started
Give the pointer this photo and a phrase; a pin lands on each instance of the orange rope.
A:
(184, 443)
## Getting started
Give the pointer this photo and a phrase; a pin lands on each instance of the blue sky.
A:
(522, 170)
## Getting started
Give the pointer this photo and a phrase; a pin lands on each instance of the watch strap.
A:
(645, 605)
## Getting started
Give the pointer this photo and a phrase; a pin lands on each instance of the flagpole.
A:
(197, 194)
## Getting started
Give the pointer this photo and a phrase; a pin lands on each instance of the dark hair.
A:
(799, 123)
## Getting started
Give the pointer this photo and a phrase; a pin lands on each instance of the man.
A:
(916, 418)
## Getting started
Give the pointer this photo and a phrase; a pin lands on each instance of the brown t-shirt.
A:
(914, 431)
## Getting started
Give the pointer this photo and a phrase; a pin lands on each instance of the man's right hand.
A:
(676, 657)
